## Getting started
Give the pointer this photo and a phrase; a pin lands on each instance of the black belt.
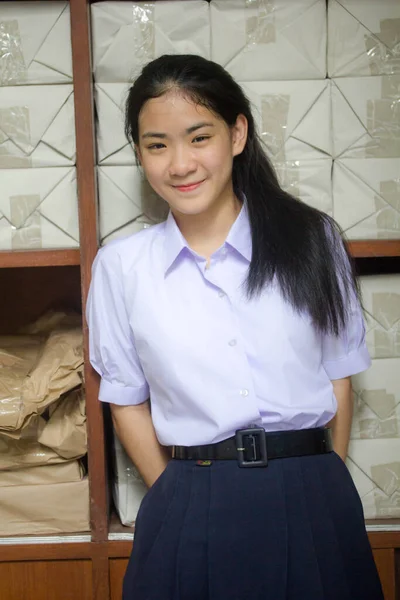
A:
(253, 447)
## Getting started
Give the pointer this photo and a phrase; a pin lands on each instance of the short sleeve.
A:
(112, 350)
(346, 354)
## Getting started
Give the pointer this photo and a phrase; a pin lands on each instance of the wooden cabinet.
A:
(117, 571)
(385, 562)
(47, 580)
(92, 567)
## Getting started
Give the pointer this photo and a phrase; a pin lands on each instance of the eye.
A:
(155, 146)
(201, 138)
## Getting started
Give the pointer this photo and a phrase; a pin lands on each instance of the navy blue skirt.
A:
(291, 531)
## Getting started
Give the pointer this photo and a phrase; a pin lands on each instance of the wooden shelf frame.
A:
(39, 258)
(374, 248)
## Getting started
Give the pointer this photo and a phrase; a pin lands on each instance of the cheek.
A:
(218, 158)
(153, 169)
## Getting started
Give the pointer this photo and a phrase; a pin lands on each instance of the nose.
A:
(182, 162)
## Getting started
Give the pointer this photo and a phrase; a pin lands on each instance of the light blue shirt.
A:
(163, 325)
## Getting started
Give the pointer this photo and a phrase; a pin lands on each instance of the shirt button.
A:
(232, 342)
(224, 251)
(221, 294)
(244, 392)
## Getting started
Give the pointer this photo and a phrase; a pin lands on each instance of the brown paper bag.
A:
(18, 454)
(62, 473)
(18, 355)
(57, 370)
(65, 431)
(44, 509)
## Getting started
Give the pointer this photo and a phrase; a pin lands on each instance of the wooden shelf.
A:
(374, 248)
(39, 258)
(59, 258)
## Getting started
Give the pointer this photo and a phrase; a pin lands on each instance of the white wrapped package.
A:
(31, 136)
(127, 35)
(377, 401)
(129, 488)
(374, 465)
(38, 208)
(366, 197)
(365, 117)
(257, 40)
(309, 180)
(112, 146)
(35, 43)
(126, 202)
(381, 301)
(293, 117)
(363, 37)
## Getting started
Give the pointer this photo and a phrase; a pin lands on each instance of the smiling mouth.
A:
(189, 187)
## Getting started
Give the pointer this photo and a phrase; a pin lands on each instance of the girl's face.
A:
(187, 153)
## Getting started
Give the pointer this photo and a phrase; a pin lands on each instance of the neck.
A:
(207, 231)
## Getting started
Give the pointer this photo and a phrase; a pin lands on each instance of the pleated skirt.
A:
(293, 530)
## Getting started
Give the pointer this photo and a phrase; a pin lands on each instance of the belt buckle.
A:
(251, 441)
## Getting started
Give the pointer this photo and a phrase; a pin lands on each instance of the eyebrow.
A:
(154, 134)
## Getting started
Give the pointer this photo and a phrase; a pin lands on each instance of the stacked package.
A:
(364, 67)
(38, 196)
(374, 452)
(43, 429)
(141, 31)
(323, 80)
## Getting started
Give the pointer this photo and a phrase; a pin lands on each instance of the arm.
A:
(341, 423)
(135, 431)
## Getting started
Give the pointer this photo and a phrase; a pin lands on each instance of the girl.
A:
(239, 317)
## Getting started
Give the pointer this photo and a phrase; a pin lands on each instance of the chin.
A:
(195, 209)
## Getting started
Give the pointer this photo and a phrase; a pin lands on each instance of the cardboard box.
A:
(44, 509)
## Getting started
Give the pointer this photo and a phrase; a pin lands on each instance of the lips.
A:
(189, 187)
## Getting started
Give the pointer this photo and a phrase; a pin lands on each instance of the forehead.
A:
(173, 112)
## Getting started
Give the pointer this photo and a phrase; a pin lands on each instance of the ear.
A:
(239, 135)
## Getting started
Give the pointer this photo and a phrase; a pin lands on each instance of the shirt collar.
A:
(239, 238)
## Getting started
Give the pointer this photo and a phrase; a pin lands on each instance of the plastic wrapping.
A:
(260, 27)
(35, 43)
(28, 390)
(363, 38)
(32, 137)
(38, 208)
(12, 65)
(374, 188)
(144, 30)
(381, 301)
(126, 202)
(261, 40)
(129, 488)
(366, 117)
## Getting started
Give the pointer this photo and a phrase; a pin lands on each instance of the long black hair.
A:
(300, 246)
